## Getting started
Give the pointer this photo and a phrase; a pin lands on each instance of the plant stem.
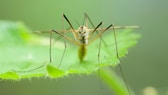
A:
(113, 81)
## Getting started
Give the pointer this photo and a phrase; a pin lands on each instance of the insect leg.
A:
(73, 30)
(120, 67)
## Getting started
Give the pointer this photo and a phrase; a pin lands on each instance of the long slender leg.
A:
(92, 32)
(73, 30)
(98, 56)
(67, 38)
(50, 47)
(115, 39)
(86, 16)
(98, 53)
(50, 58)
(30, 70)
(43, 64)
(117, 54)
(124, 78)
(95, 29)
(99, 35)
(50, 51)
(65, 46)
(120, 67)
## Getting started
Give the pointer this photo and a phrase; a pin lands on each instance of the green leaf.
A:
(54, 72)
(22, 52)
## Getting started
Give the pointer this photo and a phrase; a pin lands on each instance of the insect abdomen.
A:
(82, 52)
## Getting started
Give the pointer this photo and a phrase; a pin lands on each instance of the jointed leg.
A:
(95, 29)
(50, 47)
(65, 46)
(122, 73)
(99, 35)
(67, 38)
(73, 30)
(87, 17)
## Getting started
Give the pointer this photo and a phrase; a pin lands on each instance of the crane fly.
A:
(83, 37)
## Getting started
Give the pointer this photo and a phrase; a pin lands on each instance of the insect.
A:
(83, 37)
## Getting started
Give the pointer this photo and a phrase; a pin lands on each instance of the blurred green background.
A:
(145, 65)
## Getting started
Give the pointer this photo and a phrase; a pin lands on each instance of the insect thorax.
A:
(83, 34)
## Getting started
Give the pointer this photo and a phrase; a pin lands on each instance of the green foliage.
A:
(24, 54)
